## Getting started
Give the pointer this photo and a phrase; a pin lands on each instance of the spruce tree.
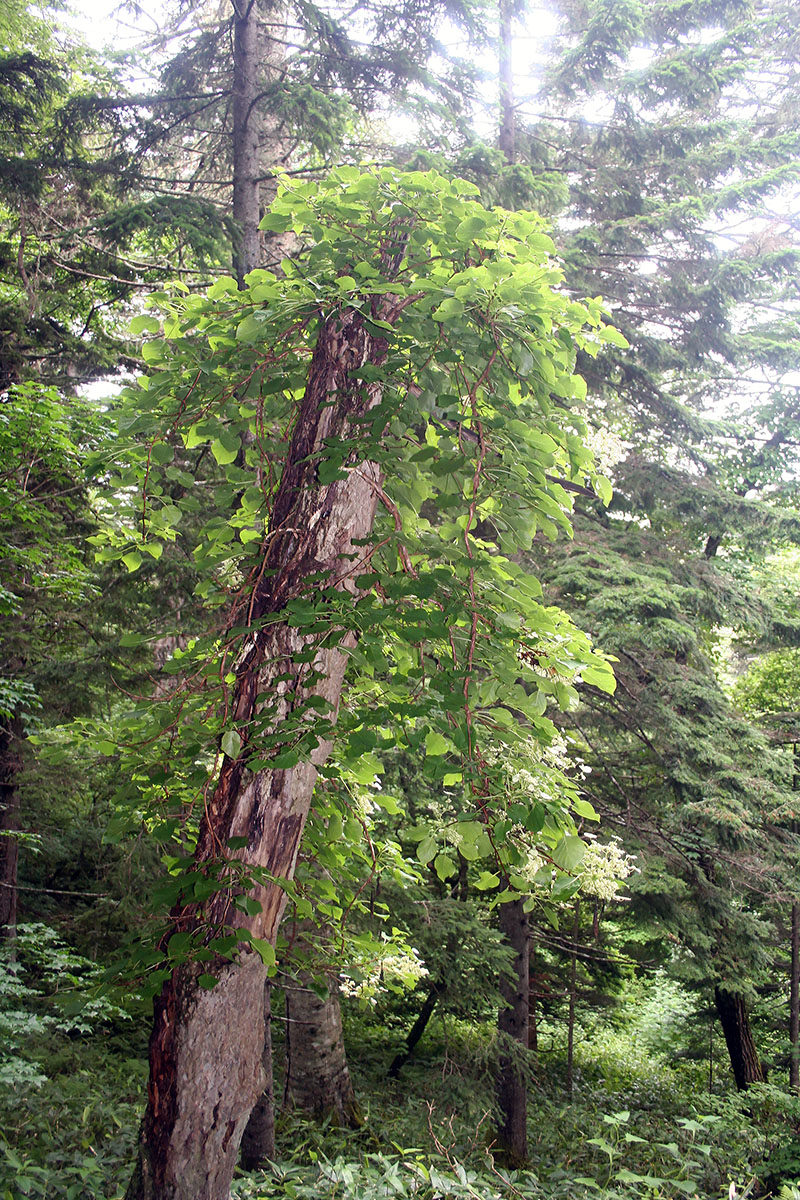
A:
(675, 128)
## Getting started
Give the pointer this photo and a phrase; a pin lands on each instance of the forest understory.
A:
(653, 1110)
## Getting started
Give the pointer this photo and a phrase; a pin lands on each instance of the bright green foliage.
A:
(771, 684)
(479, 437)
(61, 980)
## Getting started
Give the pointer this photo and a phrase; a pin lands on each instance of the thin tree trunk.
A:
(206, 1049)
(735, 1022)
(317, 1076)
(246, 156)
(11, 734)
(533, 1015)
(416, 1031)
(512, 1087)
(276, 144)
(794, 1001)
(573, 987)
(506, 139)
(258, 1140)
(794, 976)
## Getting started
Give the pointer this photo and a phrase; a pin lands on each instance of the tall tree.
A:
(362, 358)
(264, 87)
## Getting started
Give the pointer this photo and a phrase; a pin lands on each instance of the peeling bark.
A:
(206, 1048)
(258, 1140)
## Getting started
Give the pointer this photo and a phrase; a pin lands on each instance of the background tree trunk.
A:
(416, 1031)
(794, 970)
(794, 1001)
(246, 150)
(573, 988)
(512, 1084)
(11, 734)
(533, 1016)
(735, 1022)
(317, 1076)
(506, 139)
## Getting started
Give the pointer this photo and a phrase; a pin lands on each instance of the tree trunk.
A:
(317, 1076)
(533, 1016)
(573, 988)
(246, 157)
(735, 1022)
(416, 1031)
(11, 735)
(253, 144)
(275, 143)
(512, 1087)
(794, 970)
(206, 1049)
(794, 1001)
(258, 1140)
(506, 139)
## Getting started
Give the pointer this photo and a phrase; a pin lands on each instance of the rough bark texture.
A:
(246, 158)
(206, 1048)
(735, 1022)
(10, 764)
(258, 1140)
(512, 1090)
(317, 1076)
(205, 1076)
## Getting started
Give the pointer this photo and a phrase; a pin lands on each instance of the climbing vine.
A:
(472, 438)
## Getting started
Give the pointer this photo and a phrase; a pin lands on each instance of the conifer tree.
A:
(675, 127)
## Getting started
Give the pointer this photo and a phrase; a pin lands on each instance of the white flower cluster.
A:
(604, 868)
(608, 449)
(395, 970)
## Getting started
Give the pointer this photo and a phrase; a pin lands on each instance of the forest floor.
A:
(641, 1121)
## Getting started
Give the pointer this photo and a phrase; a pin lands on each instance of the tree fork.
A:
(206, 1048)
